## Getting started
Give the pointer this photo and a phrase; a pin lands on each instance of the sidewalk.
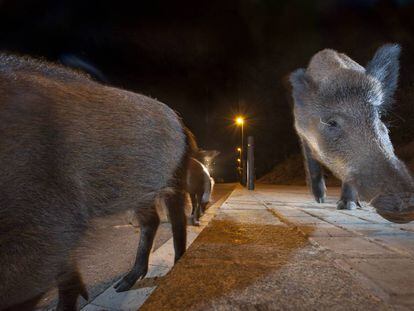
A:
(274, 249)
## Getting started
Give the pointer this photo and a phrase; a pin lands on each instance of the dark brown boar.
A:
(72, 149)
(200, 186)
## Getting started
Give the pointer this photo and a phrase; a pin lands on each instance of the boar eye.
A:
(331, 123)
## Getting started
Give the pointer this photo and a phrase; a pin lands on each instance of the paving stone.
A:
(240, 196)
(367, 215)
(403, 243)
(353, 247)
(340, 219)
(321, 210)
(306, 220)
(250, 216)
(328, 231)
(395, 276)
(288, 211)
(370, 229)
(243, 205)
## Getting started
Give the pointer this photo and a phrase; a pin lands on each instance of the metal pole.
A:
(242, 134)
(242, 153)
(250, 163)
(239, 164)
(242, 158)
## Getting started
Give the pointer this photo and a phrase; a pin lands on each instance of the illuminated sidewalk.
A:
(275, 249)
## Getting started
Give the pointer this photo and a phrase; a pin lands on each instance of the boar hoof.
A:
(195, 222)
(320, 199)
(348, 205)
(129, 280)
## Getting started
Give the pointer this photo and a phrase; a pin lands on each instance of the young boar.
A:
(72, 149)
(337, 109)
(199, 185)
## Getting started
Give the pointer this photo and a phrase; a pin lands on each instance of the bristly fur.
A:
(72, 149)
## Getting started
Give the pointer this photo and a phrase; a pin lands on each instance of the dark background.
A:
(211, 60)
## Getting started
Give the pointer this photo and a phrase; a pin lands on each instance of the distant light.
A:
(239, 120)
(238, 160)
(238, 149)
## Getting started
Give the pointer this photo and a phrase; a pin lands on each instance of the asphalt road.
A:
(109, 250)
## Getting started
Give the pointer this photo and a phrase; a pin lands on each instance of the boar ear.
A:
(302, 84)
(385, 66)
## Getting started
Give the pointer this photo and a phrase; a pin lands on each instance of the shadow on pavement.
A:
(227, 257)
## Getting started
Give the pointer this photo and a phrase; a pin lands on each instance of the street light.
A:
(239, 152)
(240, 122)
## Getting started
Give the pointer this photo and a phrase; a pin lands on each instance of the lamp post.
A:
(240, 122)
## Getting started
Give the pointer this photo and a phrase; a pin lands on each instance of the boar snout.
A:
(396, 207)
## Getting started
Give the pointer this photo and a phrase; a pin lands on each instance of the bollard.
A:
(250, 163)
(244, 173)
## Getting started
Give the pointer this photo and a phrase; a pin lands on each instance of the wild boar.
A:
(338, 106)
(199, 185)
(72, 149)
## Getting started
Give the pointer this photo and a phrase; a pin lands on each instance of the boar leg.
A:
(175, 204)
(193, 203)
(149, 221)
(202, 205)
(70, 286)
(203, 208)
(349, 197)
(195, 213)
(314, 174)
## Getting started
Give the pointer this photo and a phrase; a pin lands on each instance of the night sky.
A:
(210, 60)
